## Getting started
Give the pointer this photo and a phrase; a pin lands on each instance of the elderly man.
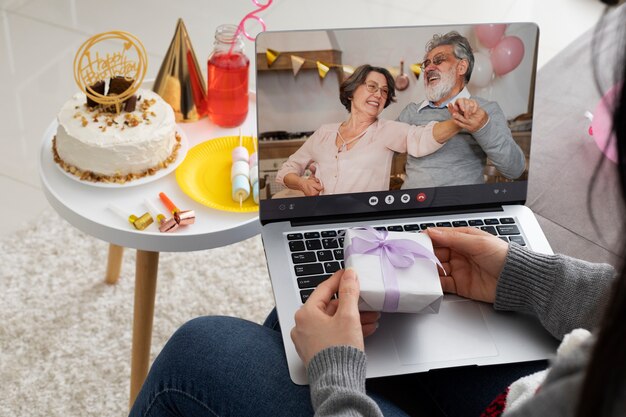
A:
(447, 68)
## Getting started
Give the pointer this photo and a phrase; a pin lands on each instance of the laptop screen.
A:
(356, 121)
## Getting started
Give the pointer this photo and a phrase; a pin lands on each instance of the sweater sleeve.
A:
(337, 382)
(496, 140)
(562, 292)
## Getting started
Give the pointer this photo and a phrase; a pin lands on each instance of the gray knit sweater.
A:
(562, 292)
(462, 160)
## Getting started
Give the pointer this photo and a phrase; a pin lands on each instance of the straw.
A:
(252, 15)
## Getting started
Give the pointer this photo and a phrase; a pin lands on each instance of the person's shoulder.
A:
(412, 106)
(488, 105)
(410, 111)
(329, 127)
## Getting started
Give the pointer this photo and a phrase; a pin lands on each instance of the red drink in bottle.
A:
(227, 89)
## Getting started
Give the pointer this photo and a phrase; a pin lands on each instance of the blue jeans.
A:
(224, 366)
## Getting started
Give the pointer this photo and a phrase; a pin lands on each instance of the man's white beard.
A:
(445, 85)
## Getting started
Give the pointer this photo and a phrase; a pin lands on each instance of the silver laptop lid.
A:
(298, 78)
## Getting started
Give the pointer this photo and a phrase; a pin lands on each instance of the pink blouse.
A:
(367, 165)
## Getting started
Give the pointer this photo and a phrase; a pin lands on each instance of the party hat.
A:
(180, 81)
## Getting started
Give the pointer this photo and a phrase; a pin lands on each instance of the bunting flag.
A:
(271, 56)
(322, 69)
(296, 63)
(348, 70)
(393, 71)
(416, 69)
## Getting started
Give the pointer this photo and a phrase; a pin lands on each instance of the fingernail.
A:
(349, 273)
(434, 231)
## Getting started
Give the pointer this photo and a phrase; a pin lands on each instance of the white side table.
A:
(84, 206)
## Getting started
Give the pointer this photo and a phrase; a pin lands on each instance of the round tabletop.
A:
(85, 206)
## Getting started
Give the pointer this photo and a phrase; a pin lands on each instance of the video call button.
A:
(405, 198)
(373, 200)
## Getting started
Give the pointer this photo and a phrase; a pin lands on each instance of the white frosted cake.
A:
(102, 146)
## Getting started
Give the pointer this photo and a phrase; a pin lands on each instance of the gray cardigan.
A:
(562, 292)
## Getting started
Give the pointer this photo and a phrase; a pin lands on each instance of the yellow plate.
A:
(204, 175)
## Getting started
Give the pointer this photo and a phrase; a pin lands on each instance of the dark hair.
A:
(605, 378)
(350, 84)
(462, 48)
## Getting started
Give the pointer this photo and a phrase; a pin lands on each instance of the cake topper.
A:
(116, 56)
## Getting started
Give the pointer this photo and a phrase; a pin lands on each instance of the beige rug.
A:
(65, 335)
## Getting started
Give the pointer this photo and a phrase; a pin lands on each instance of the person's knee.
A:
(197, 339)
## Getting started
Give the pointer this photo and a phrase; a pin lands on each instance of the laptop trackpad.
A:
(458, 332)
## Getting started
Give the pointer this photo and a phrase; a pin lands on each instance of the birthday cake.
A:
(116, 145)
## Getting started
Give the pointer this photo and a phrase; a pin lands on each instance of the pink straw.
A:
(252, 15)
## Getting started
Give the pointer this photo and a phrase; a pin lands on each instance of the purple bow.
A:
(393, 253)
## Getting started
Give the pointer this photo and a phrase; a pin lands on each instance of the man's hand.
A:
(468, 115)
(472, 259)
(323, 322)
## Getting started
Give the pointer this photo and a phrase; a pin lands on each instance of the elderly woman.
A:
(356, 155)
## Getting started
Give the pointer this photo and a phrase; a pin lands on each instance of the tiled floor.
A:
(40, 37)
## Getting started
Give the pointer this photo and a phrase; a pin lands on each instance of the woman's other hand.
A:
(472, 259)
(323, 322)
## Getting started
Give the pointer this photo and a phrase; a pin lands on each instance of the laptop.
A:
(298, 74)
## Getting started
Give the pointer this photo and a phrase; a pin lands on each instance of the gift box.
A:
(397, 271)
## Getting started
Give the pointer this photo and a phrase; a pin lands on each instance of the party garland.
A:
(323, 67)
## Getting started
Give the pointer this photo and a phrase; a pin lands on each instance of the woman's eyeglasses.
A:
(373, 88)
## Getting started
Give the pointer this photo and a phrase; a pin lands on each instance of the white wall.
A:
(306, 101)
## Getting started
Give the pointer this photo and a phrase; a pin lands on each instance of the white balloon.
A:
(482, 74)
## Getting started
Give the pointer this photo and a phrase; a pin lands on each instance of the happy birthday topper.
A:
(114, 55)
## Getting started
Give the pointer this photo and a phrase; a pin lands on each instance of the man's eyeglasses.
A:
(437, 60)
(373, 88)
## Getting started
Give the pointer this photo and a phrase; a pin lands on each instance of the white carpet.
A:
(65, 335)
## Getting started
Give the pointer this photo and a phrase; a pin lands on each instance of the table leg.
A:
(145, 293)
(114, 264)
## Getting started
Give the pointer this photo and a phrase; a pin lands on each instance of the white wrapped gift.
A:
(397, 271)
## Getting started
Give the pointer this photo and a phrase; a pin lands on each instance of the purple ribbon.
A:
(393, 253)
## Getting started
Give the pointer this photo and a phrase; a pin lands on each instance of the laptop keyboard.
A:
(316, 255)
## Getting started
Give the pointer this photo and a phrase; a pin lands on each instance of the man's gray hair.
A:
(462, 48)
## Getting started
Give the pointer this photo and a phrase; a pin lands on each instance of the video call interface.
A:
(385, 119)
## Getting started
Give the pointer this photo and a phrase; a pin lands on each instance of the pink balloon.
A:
(489, 35)
(602, 122)
(507, 55)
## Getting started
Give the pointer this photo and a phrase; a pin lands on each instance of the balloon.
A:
(602, 122)
(482, 72)
(489, 35)
(507, 55)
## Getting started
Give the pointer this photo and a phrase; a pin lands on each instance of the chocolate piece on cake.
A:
(98, 88)
(119, 84)
(130, 104)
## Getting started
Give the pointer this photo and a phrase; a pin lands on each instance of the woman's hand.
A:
(310, 186)
(472, 259)
(468, 115)
(323, 322)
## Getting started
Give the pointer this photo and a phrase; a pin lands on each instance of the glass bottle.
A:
(227, 87)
